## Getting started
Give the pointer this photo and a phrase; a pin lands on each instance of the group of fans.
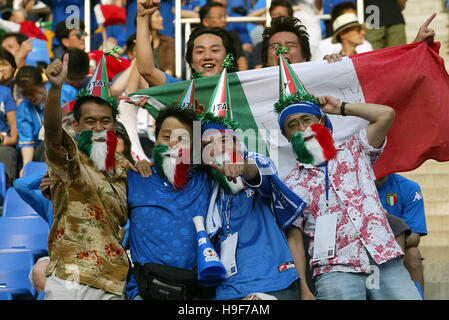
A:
(95, 184)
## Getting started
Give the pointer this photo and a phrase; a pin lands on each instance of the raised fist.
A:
(57, 71)
(147, 7)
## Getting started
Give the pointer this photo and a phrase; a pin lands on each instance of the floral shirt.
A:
(362, 225)
(90, 210)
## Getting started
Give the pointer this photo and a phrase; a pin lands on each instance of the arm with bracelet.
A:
(380, 117)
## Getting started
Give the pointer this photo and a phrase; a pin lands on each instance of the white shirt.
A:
(327, 47)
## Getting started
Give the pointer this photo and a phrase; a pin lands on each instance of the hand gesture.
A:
(330, 105)
(57, 71)
(334, 57)
(424, 32)
(147, 7)
(25, 48)
(45, 186)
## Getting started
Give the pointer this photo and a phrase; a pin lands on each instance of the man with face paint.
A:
(162, 235)
(353, 251)
(88, 187)
(249, 211)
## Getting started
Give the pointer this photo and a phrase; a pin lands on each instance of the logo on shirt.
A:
(286, 265)
(418, 196)
(249, 193)
(391, 199)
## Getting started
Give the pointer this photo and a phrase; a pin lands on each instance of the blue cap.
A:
(303, 107)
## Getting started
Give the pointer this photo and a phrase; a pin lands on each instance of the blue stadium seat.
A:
(15, 266)
(14, 206)
(5, 295)
(33, 167)
(2, 181)
(29, 232)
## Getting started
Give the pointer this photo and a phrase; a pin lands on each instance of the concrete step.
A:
(430, 166)
(436, 208)
(435, 194)
(436, 239)
(437, 223)
(436, 271)
(434, 254)
(428, 180)
(436, 290)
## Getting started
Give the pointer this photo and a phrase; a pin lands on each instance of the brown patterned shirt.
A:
(90, 208)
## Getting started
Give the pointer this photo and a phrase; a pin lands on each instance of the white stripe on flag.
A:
(319, 78)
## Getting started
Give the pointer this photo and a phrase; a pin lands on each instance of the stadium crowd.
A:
(45, 71)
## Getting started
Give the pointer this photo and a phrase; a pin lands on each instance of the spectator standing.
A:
(69, 38)
(326, 46)
(402, 198)
(349, 32)
(213, 15)
(345, 244)
(18, 45)
(8, 134)
(30, 114)
(391, 29)
(7, 68)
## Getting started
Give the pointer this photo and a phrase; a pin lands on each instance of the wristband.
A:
(342, 109)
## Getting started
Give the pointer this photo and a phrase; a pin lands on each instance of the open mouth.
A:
(208, 66)
(100, 140)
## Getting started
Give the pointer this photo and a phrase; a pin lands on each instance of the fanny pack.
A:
(162, 282)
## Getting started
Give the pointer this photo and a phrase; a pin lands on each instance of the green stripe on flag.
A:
(204, 88)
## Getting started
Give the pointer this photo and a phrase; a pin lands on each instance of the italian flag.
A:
(411, 79)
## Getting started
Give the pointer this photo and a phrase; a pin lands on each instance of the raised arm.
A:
(144, 52)
(380, 117)
(56, 73)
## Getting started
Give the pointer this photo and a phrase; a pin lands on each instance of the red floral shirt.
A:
(362, 225)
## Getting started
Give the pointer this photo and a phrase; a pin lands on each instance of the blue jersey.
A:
(263, 258)
(7, 104)
(161, 227)
(30, 120)
(403, 198)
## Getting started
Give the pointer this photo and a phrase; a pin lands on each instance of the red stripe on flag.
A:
(288, 76)
(412, 80)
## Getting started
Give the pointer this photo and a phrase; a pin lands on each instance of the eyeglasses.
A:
(80, 33)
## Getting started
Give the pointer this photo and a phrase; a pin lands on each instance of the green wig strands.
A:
(228, 62)
(111, 101)
(286, 100)
(209, 117)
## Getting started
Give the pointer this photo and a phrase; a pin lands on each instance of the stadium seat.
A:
(15, 266)
(29, 232)
(5, 295)
(2, 182)
(14, 206)
(34, 167)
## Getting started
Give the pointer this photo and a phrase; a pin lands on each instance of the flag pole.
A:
(87, 24)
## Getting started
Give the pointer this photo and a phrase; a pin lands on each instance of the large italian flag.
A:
(410, 78)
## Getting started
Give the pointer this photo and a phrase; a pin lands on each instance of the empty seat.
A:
(29, 232)
(33, 167)
(15, 206)
(15, 266)
(4, 295)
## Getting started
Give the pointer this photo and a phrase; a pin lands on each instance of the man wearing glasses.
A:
(69, 38)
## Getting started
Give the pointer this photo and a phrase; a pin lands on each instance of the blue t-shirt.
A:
(167, 14)
(7, 104)
(131, 11)
(68, 92)
(161, 227)
(262, 248)
(403, 198)
(30, 120)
